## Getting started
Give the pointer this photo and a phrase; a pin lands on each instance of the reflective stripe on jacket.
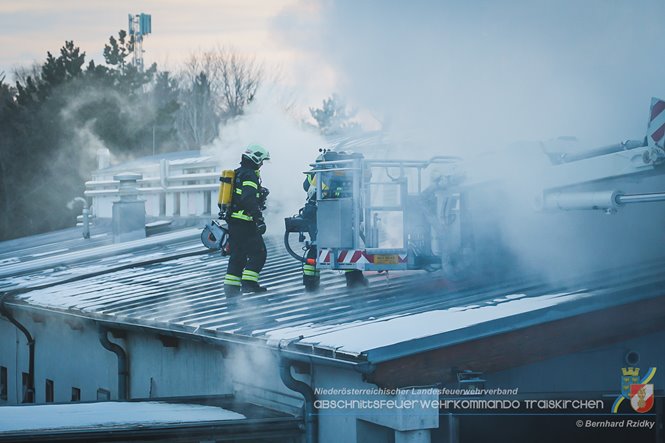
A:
(245, 202)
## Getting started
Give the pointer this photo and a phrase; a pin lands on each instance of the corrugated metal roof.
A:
(172, 283)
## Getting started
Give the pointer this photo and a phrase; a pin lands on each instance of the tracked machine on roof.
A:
(487, 218)
(484, 219)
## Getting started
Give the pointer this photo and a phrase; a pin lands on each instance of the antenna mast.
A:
(139, 25)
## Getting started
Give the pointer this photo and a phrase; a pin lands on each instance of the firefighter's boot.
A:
(231, 285)
(231, 291)
(356, 279)
(311, 282)
(252, 286)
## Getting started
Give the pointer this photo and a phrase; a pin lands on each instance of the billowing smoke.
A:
(469, 79)
(291, 148)
(466, 78)
(86, 142)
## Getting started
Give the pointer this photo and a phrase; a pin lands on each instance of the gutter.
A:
(29, 395)
(364, 367)
(311, 423)
(123, 363)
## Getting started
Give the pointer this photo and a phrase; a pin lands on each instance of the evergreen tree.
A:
(48, 120)
(333, 118)
(8, 155)
(165, 100)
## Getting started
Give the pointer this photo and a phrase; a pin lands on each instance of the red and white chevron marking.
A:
(324, 256)
(350, 256)
(656, 129)
(345, 256)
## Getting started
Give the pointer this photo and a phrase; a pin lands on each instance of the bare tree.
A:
(217, 86)
(22, 73)
(197, 122)
(239, 79)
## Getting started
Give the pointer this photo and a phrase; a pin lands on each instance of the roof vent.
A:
(129, 211)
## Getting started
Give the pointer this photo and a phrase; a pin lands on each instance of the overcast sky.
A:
(476, 73)
(481, 73)
(30, 28)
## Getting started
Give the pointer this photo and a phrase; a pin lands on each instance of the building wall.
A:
(188, 369)
(593, 370)
(591, 374)
(256, 379)
(12, 343)
(367, 423)
(69, 357)
(68, 352)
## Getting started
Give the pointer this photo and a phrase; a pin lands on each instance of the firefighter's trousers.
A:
(247, 253)
(312, 275)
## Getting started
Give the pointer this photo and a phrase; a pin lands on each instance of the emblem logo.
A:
(636, 390)
(641, 397)
(629, 376)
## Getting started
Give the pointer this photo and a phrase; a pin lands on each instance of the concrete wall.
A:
(366, 423)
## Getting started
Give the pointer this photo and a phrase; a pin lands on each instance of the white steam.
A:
(465, 79)
(86, 142)
(292, 147)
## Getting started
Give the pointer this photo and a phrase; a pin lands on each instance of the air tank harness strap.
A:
(240, 215)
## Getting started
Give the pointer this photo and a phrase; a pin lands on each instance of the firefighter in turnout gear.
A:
(332, 186)
(246, 225)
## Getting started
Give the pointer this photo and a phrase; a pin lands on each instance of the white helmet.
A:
(256, 153)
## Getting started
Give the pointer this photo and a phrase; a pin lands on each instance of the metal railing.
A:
(146, 185)
(164, 181)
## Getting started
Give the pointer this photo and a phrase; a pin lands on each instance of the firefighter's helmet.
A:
(256, 153)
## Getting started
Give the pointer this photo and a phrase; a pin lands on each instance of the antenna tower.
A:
(139, 26)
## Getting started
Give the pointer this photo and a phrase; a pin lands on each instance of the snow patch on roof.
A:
(107, 414)
(359, 337)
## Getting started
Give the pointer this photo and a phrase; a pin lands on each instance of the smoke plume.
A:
(470, 79)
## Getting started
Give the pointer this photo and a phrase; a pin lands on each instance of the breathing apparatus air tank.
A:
(226, 187)
(215, 235)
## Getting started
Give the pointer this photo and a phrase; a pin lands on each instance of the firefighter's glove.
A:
(263, 196)
(261, 226)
